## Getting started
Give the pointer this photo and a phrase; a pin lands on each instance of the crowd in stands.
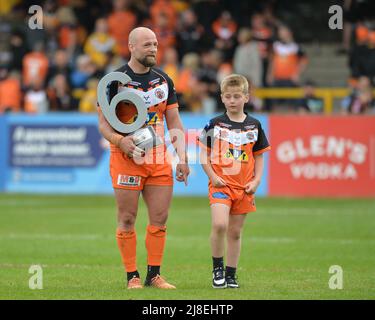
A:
(359, 44)
(57, 68)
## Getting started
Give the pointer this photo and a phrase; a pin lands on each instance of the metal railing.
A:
(326, 94)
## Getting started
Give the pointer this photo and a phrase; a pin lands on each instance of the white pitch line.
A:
(92, 237)
(46, 236)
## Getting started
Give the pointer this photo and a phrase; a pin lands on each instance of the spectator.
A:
(10, 92)
(73, 49)
(84, 70)
(190, 34)
(50, 19)
(36, 100)
(19, 49)
(60, 96)
(165, 7)
(310, 102)
(224, 29)
(288, 60)
(70, 34)
(100, 44)
(88, 102)
(60, 65)
(359, 54)
(371, 57)
(35, 66)
(170, 64)
(361, 100)
(120, 22)
(254, 104)
(263, 35)
(187, 79)
(207, 12)
(210, 71)
(205, 103)
(166, 36)
(247, 60)
(115, 62)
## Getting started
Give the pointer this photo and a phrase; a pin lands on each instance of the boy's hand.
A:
(218, 182)
(252, 186)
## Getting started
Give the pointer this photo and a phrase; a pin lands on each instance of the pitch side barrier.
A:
(310, 155)
(328, 95)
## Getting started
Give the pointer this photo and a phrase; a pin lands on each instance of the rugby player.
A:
(133, 171)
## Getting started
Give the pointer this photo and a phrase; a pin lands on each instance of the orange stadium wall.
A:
(324, 156)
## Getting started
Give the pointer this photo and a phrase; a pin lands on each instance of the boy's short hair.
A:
(235, 80)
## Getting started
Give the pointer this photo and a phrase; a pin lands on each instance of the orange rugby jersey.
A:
(286, 59)
(232, 146)
(158, 92)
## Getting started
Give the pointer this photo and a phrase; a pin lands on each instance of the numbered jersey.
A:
(157, 91)
(232, 146)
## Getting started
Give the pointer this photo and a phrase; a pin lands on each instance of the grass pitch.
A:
(288, 247)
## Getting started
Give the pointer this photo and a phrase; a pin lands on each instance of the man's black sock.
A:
(131, 275)
(152, 271)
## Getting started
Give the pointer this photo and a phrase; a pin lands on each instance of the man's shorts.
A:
(237, 199)
(127, 174)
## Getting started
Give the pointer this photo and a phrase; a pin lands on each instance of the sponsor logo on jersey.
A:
(129, 181)
(236, 138)
(151, 97)
(237, 154)
(147, 99)
(250, 135)
(159, 93)
(152, 118)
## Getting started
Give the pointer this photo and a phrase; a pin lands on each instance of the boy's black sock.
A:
(131, 275)
(218, 262)
(230, 272)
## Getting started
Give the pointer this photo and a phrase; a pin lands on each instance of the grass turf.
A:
(288, 247)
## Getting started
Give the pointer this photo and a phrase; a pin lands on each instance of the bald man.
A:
(133, 171)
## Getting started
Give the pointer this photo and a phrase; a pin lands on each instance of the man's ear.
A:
(247, 97)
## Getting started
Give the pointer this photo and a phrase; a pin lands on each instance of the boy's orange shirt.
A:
(232, 146)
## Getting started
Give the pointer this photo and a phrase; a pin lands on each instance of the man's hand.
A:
(127, 146)
(252, 186)
(182, 172)
(217, 181)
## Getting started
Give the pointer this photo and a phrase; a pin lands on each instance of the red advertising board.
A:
(322, 156)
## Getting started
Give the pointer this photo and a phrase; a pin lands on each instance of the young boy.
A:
(232, 157)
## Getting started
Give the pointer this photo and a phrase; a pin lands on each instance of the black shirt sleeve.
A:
(262, 142)
(207, 134)
(172, 97)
